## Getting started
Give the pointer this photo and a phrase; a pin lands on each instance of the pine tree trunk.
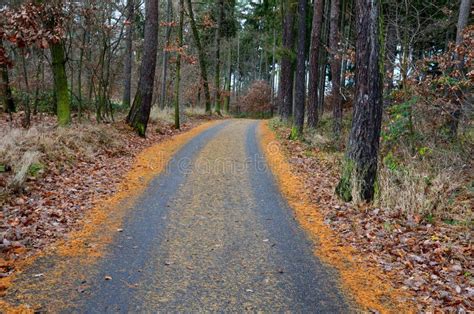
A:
(140, 112)
(127, 72)
(217, 81)
(335, 57)
(201, 56)
(300, 80)
(360, 166)
(61, 91)
(314, 63)
(178, 65)
(285, 97)
(164, 74)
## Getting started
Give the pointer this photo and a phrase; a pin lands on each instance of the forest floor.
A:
(430, 259)
(50, 177)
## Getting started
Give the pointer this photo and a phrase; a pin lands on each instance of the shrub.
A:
(258, 100)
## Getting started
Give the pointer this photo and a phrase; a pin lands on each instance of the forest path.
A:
(212, 233)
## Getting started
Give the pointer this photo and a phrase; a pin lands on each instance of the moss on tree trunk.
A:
(63, 101)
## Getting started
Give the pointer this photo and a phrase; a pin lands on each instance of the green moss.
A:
(344, 188)
(295, 134)
(35, 169)
(140, 128)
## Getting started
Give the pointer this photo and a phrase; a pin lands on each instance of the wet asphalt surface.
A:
(210, 234)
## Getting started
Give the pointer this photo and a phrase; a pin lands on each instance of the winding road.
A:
(212, 233)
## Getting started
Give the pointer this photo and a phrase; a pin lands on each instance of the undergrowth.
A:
(32, 152)
(422, 175)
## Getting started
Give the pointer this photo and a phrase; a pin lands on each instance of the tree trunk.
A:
(323, 59)
(217, 81)
(228, 80)
(334, 39)
(300, 81)
(464, 10)
(164, 74)
(314, 63)
(140, 112)
(456, 114)
(285, 97)
(273, 72)
(79, 74)
(360, 166)
(26, 101)
(178, 64)
(63, 100)
(201, 56)
(127, 71)
(7, 96)
(391, 54)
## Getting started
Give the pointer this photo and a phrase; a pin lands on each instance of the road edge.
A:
(366, 284)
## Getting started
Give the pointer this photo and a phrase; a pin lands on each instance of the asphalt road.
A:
(212, 233)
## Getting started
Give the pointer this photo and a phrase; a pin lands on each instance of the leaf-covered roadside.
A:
(83, 165)
(433, 261)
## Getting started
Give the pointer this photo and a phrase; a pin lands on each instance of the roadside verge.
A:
(365, 283)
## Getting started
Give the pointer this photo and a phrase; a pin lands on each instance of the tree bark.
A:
(334, 39)
(463, 18)
(178, 65)
(63, 100)
(217, 81)
(164, 74)
(464, 10)
(300, 81)
(314, 64)
(140, 112)
(360, 166)
(285, 97)
(127, 71)
(201, 56)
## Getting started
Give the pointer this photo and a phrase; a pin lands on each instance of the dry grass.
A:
(27, 152)
(166, 115)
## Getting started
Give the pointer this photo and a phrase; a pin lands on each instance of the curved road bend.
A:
(212, 233)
